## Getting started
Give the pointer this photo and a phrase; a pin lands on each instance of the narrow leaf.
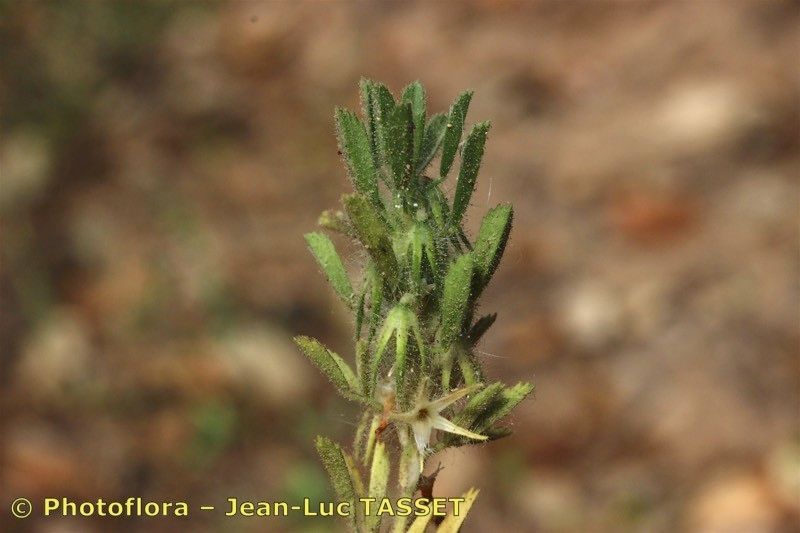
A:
(333, 458)
(497, 433)
(482, 325)
(362, 366)
(397, 144)
(360, 313)
(414, 94)
(511, 397)
(371, 438)
(455, 298)
(468, 173)
(330, 364)
(453, 129)
(382, 100)
(439, 207)
(382, 106)
(478, 405)
(431, 141)
(491, 242)
(357, 515)
(359, 440)
(385, 336)
(373, 234)
(367, 93)
(354, 144)
(488, 407)
(375, 300)
(470, 368)
(325, 254)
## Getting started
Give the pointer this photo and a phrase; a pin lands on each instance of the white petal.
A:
(440, 422)
(440, 403)
(422, 433)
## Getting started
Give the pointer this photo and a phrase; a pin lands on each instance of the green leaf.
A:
(359, 439)
(382, 106)
(479, 404)
(439, 207)
(334, 367)
(468, 173)
(367, 93)
(325, 253)
(378, 481)
(382, 100)
(431, 141)
(420, 245)
(375, 300)
(453, 129)
(354, 144)
(469, 367)
(455, 298)
(497, 433)
(362, 366)
(357, 516)
(371, 438)
(414, 94)
(491, 242)
(452, 522)
(335, 462)
(373, 234)
(510, 398)
(360, 312)
(397, 144)
(480, 327)
(486, 408)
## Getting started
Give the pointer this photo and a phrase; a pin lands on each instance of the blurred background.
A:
(160, 162)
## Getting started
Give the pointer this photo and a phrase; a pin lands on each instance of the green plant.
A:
(414, 308)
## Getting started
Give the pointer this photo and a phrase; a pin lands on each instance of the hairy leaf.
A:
(488, 407)
(468, 173)
(371, 439)
(397, 144)
(330, 364)
(478, 405)
(362, 366)
(334, 460)
(510, 398)
(367, 93)
(491, 242)
(455, 298)
(431, 140)
(414, 94)
(453, 130)
(373, 233)
(383, 105)
(354, 144)
(480, 327)
(362, 297)
(325, 253)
